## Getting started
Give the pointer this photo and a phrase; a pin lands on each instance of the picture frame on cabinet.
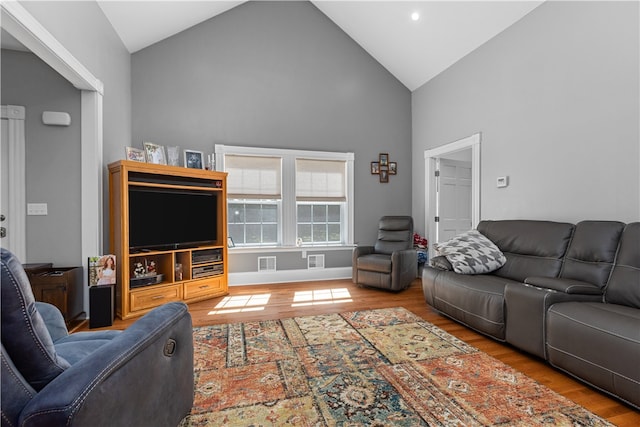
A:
(155, 153)
(135, 154)
(102, 270)
(193, 159)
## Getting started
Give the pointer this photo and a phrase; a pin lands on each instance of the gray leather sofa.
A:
(567, 293)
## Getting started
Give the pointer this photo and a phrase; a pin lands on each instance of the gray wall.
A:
(556, 97)
(282, 75)
(52, 156)
(83, 30)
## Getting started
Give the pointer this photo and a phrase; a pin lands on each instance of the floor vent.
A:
(315, 261)
(267, 263)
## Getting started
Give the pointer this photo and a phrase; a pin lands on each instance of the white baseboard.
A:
(285, 276)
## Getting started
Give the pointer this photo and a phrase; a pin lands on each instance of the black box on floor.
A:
(101, 312)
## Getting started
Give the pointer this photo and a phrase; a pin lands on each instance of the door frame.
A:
(17, 237)
(18, 22)
(430, 156)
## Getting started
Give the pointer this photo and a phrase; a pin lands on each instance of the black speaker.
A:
(101, 310)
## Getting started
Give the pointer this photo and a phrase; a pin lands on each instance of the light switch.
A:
(37, 209)
(502, 181)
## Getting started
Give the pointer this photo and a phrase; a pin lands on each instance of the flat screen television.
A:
(162, 218)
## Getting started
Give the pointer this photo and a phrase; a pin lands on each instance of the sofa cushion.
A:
(592, 251)
(471, 253)
(375, 262)
(79, 345)
(532, 248)
(577, 333)
(624, 284)
(395, 233)
(24, 334)
(475, 300)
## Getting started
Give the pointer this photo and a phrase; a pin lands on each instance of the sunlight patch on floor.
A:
(321, 296)
(241, 304)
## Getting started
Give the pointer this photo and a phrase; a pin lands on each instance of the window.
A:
(287, 197)
(320, 200)
(253, 222)
(253, 199)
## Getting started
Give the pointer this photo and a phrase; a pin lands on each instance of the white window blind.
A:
(321, 180)
(253, 177)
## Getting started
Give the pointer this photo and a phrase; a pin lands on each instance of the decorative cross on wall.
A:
(383, 167)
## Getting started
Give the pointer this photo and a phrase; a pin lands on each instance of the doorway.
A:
(452, 175)
(22, 26)
(453, 196)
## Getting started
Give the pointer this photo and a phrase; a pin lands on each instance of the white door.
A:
(5, 219)
(453, 198)
(12, 176)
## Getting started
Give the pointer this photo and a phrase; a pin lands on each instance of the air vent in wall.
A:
(315, 261)
(267, 263)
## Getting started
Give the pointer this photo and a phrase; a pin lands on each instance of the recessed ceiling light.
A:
(415, 16)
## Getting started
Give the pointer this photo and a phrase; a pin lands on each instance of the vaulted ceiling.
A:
(414, 51)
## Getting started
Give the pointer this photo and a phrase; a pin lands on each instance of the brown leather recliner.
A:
(391, 263)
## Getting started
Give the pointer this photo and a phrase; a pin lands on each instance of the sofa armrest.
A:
(53, 320)
(359, 251)
(404, 267)
(143, 377)
(567, 286)
(406, 256)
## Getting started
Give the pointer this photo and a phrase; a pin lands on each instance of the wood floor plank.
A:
(269, 302)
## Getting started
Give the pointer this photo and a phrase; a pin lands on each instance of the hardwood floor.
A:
(267, 302)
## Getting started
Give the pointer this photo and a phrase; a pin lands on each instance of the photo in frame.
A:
(102, 270)
(393, 168)
(375, 168)
(384, 159)
(193, 159)
(384, 174)
(155, 153)
(135, 154)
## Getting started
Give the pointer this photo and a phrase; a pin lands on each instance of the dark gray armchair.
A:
(142, 376)
(391, 263)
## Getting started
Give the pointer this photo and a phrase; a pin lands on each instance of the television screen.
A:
(161, 218)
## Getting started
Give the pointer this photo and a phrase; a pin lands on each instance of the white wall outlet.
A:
(502, 181)
(37, 209)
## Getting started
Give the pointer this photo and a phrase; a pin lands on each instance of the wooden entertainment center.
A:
(203, 272)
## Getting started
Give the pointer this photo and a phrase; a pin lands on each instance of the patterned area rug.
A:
(383, 367)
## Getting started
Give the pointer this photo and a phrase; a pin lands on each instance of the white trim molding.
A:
(430, 156)
(287, 276)
(17, 236)
(28, 31)
(289, 157)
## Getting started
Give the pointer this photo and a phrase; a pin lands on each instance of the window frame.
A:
(343, 227)
(288, 212)
(274, 202)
